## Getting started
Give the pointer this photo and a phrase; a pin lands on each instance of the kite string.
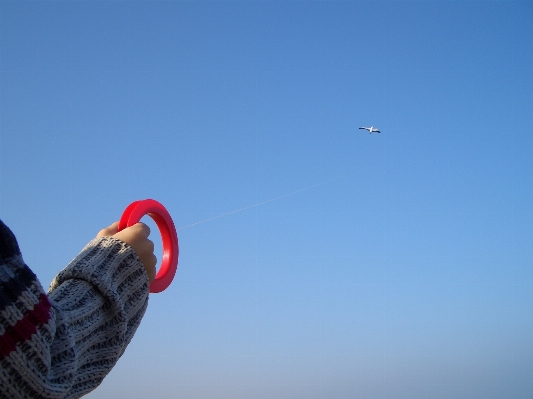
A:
(254, 205)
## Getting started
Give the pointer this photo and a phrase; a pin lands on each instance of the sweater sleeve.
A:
(63, 344)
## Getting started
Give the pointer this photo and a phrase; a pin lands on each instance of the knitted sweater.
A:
(62, 344)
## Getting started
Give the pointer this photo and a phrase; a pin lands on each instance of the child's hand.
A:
(136, 237)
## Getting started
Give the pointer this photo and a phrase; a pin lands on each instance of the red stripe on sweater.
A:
(26, 327)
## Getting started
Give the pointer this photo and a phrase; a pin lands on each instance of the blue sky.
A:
(406, 274)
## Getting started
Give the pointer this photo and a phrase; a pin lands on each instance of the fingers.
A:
(136, 237)
(149, 263)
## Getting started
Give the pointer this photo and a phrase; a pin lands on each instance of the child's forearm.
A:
(101, 296)
(76, 333)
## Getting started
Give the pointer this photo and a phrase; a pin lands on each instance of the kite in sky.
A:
(371, 129)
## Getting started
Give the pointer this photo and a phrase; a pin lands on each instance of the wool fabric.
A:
(62, 343)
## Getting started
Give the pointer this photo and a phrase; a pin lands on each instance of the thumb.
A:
(108, 231)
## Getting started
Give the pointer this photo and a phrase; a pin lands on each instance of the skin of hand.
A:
(136, 237)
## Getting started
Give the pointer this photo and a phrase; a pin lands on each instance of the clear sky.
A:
(406, 274)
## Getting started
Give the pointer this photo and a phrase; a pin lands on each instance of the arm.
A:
(63, 344)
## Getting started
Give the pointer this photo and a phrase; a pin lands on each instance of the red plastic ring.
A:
(169, 263)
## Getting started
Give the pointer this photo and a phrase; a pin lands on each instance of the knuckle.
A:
(144, 228)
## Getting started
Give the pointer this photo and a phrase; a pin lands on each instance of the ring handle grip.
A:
(169, 263)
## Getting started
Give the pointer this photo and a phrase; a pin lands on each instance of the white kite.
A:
(371, 129)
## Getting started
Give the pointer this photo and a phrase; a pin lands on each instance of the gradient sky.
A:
(406, 272)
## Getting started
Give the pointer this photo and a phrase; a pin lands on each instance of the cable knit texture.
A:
(62, 344)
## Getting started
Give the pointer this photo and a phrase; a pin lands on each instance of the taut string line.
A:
(254, 205)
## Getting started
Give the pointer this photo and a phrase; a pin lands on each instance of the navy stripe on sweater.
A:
(12, 289)
(8, 243)
(23, 278)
